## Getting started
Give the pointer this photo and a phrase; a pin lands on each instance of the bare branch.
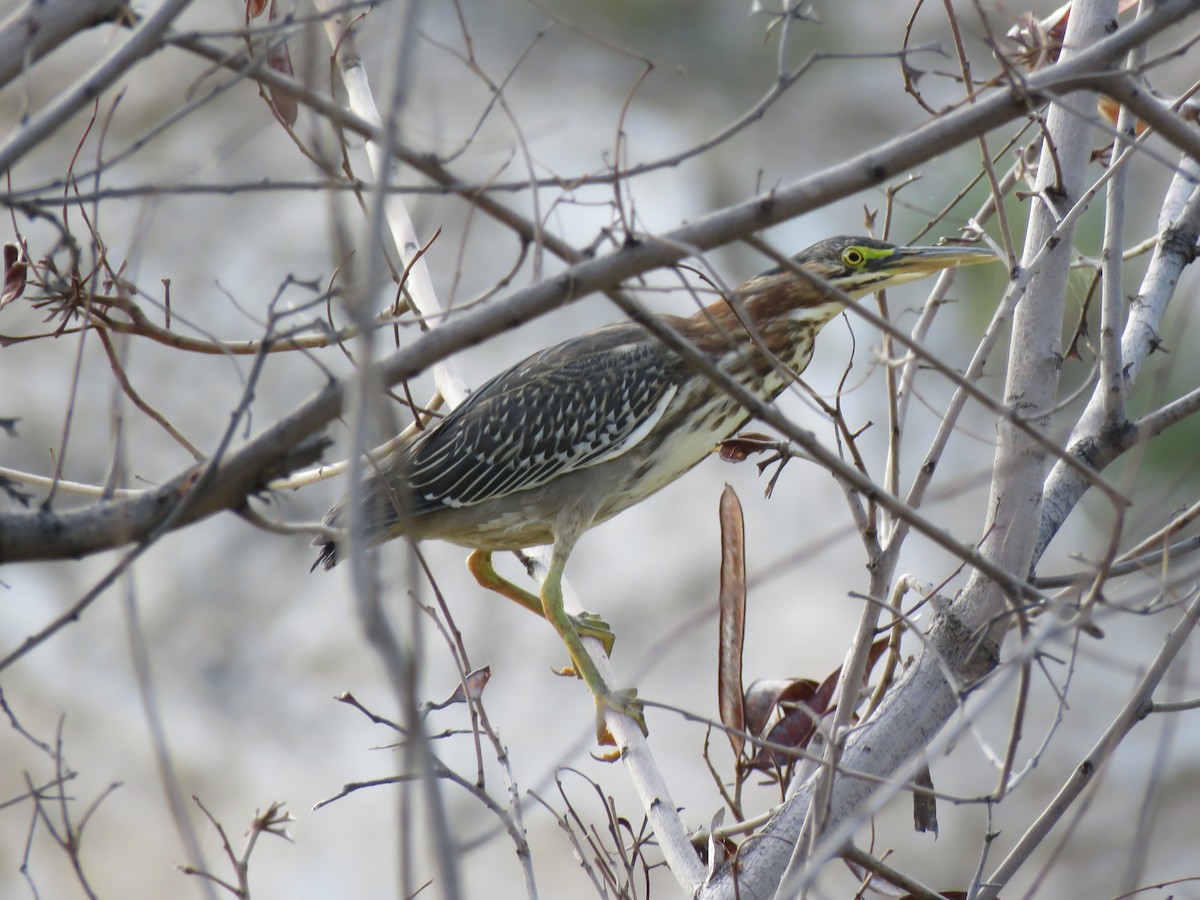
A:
(41, 26)
(144, 39)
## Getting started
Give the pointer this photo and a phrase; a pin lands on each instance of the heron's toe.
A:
(625, 702)
(590, 625)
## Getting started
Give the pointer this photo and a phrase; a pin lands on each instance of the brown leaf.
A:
(15, 272)
(470, 687)
(803, 706)
(732, 631)
(761, 698)
(925, 805)
(254, 8)
(737, 448)
(797, 726)
(280, 60)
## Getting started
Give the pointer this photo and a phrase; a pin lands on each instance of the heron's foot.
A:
(572, 629)
(627, 704)
(590, 625)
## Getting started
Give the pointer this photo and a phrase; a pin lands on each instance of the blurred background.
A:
(249, 650)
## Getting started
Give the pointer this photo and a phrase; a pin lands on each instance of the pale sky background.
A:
(248, 649)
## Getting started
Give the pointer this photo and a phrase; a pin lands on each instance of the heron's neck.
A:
(778, 312)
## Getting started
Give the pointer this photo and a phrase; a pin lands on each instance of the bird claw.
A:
(627, 704)
(591, 625)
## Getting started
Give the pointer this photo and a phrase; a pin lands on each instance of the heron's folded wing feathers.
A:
(561, 410)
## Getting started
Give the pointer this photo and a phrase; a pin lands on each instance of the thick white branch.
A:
(145, 39)
(1091, 441)
(42, 25)
(915, 710)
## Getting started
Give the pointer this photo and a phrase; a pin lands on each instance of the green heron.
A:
(579, 432)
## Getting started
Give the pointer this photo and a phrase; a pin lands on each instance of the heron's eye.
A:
(853, 257)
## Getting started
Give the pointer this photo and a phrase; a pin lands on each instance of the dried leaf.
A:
(254, 8)
(470, 687)
(737, 448)
(280, 60)
(716, 851)
(761, 699)
(732, 631)
(924, 805)
(15, 273)
(793, 731)
(803, 706)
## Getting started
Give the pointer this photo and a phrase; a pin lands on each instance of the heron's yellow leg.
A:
(479, 563)
(566, 625)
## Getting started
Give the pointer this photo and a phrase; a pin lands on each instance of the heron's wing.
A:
(574, 405)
